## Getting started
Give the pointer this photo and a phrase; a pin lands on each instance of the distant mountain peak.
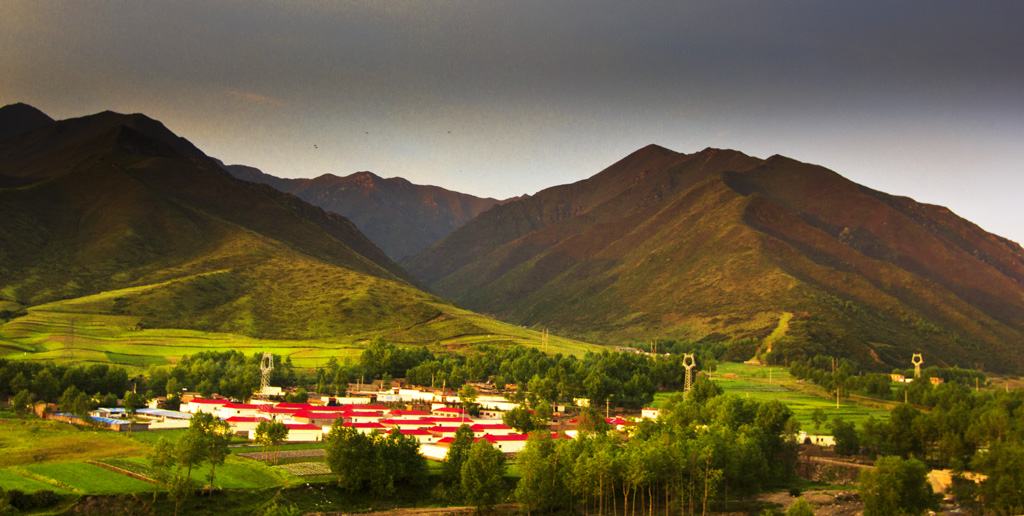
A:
(21, 117)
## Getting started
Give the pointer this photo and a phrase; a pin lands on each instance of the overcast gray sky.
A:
(916, 98)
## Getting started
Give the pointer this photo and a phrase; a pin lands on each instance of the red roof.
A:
(302, 426)
(400, 413)
(209, 402)
(276, 410)
(363, 414)
(448, 420)
(316, 414)
(243, 419)
(451, 410)
(406, 422)
(242, 406)
(443, 429)
(504, 438)
(293, 406)
(617, 421)
(494, 426)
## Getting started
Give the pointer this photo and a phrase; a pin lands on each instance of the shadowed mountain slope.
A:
(401, 217)
(718, 245)
(118, 202)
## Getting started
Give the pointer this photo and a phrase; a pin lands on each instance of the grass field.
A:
(86, 478)
(95, 337)
(11, 480)
(775, 383)
(34, 441)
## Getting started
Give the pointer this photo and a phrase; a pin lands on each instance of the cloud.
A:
(255, 98)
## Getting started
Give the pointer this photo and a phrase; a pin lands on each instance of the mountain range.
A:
(118, 203)
(401, 217)
(773, 258)
(776, 256)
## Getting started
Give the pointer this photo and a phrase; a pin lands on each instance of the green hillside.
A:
(119, 224)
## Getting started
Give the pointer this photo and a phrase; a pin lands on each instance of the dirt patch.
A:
(503, 509)
(826, 502)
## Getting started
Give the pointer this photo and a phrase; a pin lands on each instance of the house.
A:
(407, 414)
(492, 429)
(649, 413)
(508, 444)
(440, 432)
(406, 424)
(197, 405)
(936, 380)
(316, 417)
(302, 432)
(242, 424)
(238, 409)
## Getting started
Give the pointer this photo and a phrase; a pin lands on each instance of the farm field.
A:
(48, 331)
(775, 383)
(35, 441)
(81, 477)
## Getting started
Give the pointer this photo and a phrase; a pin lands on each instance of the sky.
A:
(500, 98)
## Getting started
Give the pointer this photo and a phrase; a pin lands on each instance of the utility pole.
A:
(607, 403)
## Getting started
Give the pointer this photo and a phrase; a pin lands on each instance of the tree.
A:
(845, 434)
(538, 487)
(468, 396)
(350, 456)
(160, 461)
(520, 418)
(1003, 491)
(22, 402)
(896, 486)
(482, 475)
(818, 417)
(215, 434)
(800, 508)
(132, 402)
(458, 451)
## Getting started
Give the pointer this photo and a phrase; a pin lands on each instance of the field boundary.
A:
(125, 472)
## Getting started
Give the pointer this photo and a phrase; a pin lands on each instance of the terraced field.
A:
(68, 330)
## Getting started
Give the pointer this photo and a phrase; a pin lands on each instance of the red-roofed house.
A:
(318, 418)
(198, 405)
(297, 406)
(492, 429)
(449, 411)
(407, 414)
(440, 432)
(512, 443)
(243, 423)
(406, 424)
(363, 416)
(238, 409)
(450, 420)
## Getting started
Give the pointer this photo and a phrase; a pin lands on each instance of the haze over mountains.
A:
(400, 217)
(719, 245)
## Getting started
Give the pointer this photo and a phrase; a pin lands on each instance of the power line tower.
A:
(69, 342)
(689, 364)
(917, 361)
(266, 366)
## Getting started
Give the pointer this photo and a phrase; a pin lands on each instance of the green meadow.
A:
(78, 331)
(775, 383)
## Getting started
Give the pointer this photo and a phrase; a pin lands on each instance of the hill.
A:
(401, 217)
(767, 254)
(120, 224)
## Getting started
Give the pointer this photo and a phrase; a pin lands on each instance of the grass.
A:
(152, 436)
(87, 478)
(102, 337)
(10, 480)
(775, 383)
(235, 473)
(35, 441)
